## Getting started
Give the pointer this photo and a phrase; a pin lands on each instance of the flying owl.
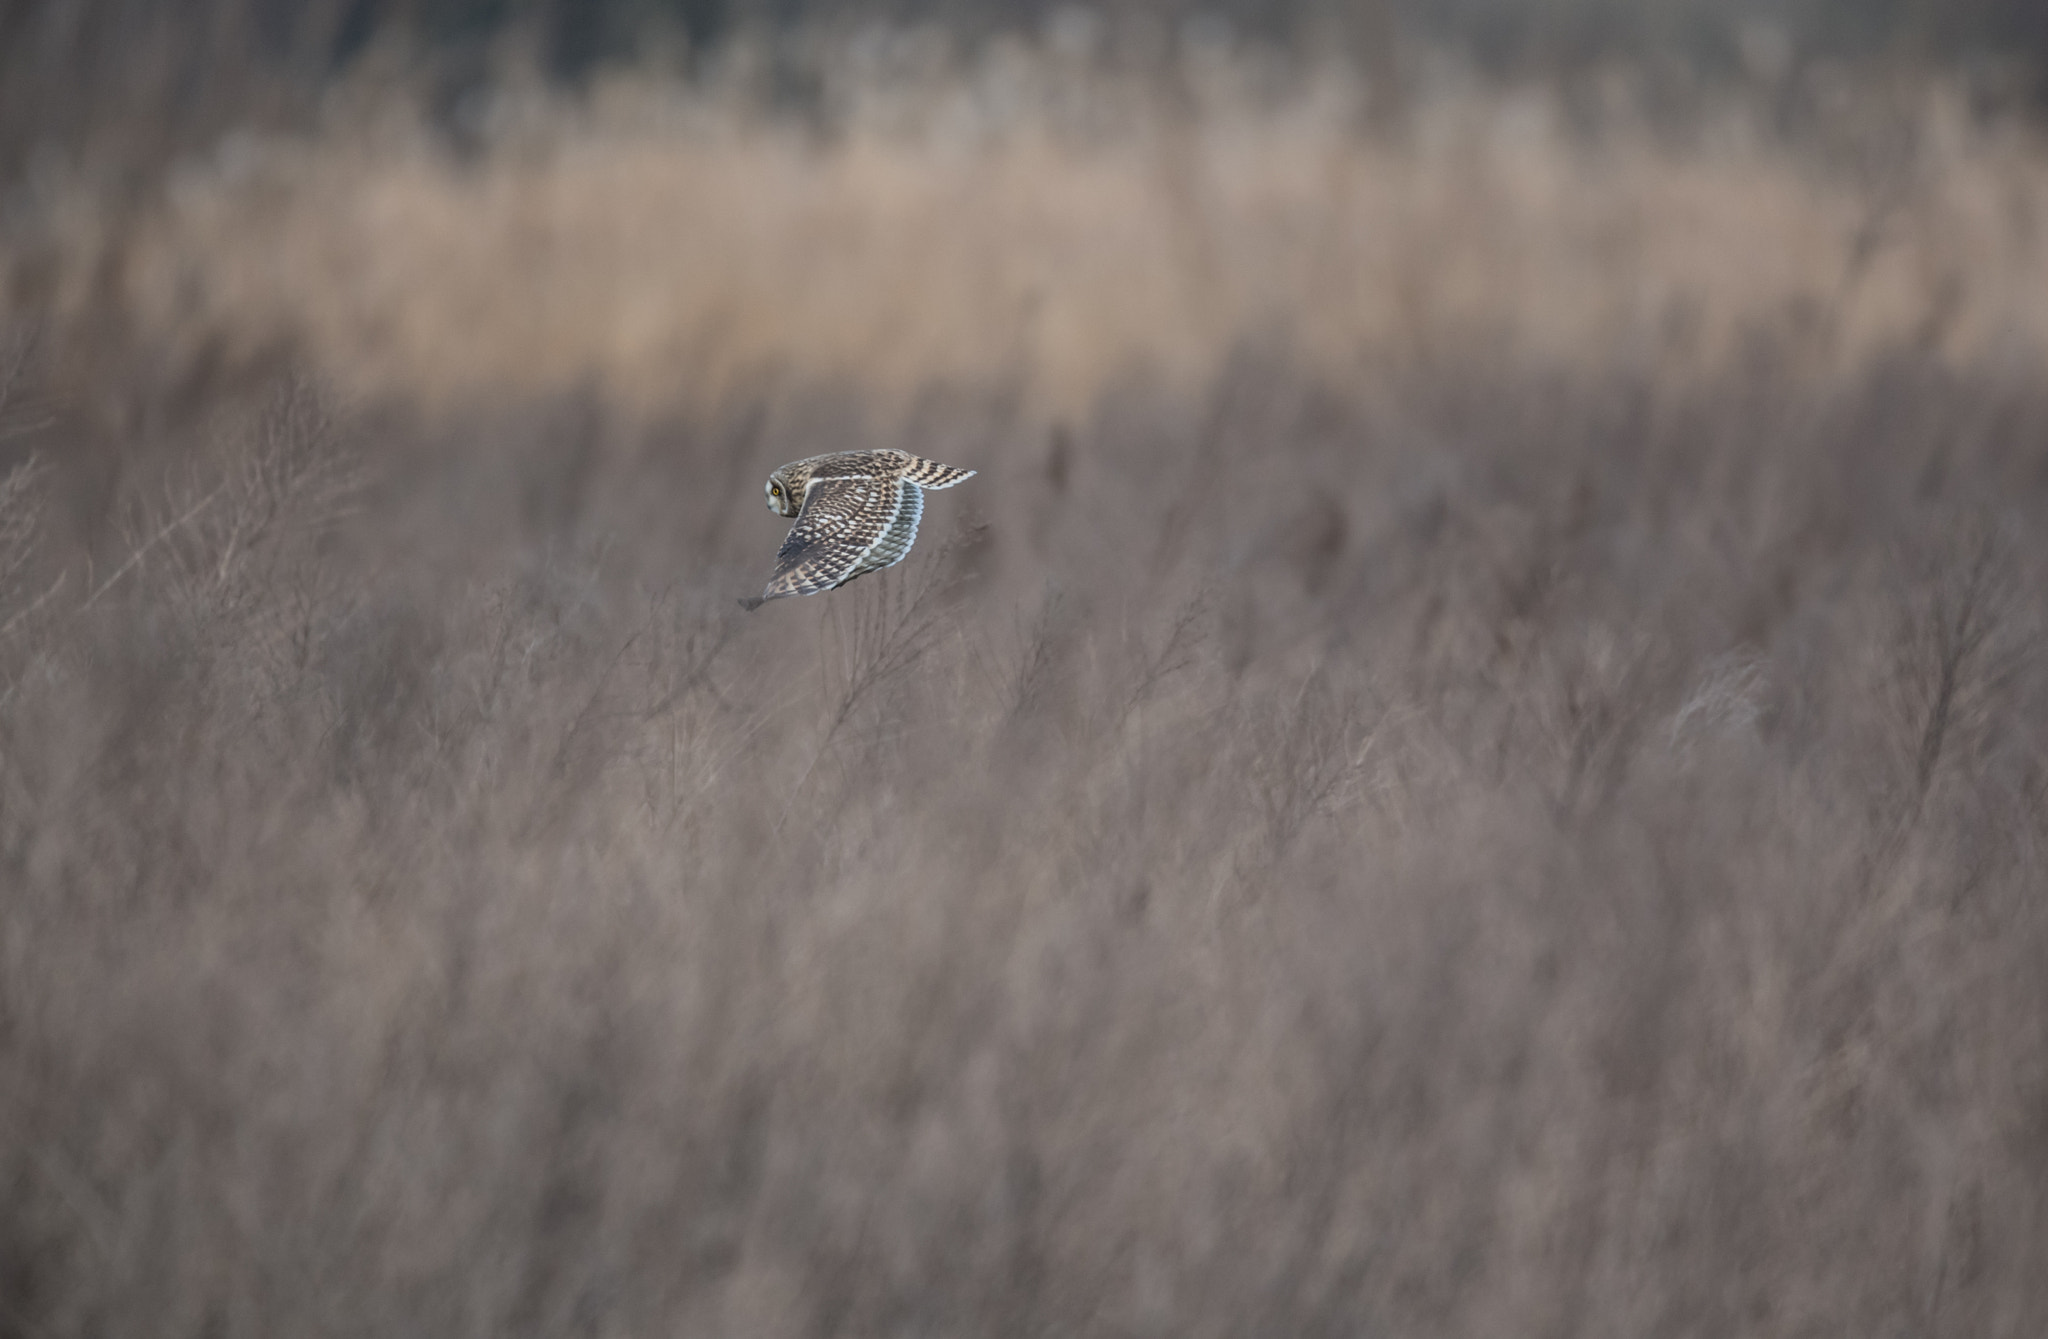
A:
(856, 512)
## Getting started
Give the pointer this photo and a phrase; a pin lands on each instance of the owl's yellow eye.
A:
(776, 489)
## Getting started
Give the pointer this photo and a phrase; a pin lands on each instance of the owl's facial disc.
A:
(774, 491)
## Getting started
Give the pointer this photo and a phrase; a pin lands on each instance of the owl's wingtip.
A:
(775, 590)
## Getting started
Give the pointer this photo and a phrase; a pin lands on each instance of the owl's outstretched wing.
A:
(843, 523)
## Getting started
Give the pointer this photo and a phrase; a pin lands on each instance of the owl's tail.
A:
(931, 474)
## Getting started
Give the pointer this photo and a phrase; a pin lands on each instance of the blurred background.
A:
(1474, 759)
(651, 199)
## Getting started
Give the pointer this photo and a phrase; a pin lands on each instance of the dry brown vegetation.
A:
(1041, 225)
(1475, 761)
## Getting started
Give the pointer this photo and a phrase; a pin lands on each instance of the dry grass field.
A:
(1474, 762)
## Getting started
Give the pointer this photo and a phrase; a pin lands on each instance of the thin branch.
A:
(159, 537)
(39, 602)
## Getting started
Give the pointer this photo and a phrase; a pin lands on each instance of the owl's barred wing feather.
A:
(897, 539)
(931, 474)
(842, 522)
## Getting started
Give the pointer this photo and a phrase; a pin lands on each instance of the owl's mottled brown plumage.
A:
(856, 512)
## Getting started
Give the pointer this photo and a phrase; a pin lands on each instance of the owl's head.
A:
(785, 494)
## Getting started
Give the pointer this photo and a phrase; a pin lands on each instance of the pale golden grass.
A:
(1057, 232)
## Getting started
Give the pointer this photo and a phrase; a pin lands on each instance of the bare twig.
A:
(886, 636)
(165, 532)
(38, 603)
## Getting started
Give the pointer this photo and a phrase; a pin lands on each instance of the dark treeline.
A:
(148, 75)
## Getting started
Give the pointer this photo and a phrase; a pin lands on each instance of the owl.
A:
(856, 512)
